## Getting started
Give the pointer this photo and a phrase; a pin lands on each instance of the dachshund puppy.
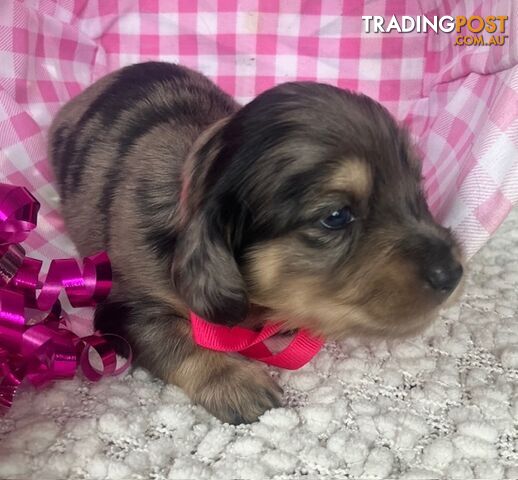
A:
(303, 207)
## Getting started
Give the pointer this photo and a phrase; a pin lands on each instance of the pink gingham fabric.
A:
(460, 103)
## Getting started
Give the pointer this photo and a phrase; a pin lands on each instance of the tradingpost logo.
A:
(473, 30)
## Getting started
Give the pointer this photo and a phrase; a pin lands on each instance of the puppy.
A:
(303, 207)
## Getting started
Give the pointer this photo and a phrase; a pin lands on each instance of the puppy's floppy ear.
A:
(204, 270)
(205, 273)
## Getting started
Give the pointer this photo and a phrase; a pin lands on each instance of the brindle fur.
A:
(206, 206)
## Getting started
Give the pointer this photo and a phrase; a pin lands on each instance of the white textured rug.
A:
(443, 405)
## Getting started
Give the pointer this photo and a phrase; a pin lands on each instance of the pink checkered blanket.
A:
(459, 102)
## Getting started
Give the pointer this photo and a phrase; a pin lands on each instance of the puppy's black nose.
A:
(444, 276)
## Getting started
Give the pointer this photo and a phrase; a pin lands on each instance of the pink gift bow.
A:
(47, 350)
(302, 348)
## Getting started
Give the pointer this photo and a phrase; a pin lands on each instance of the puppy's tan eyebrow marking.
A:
(353, 176)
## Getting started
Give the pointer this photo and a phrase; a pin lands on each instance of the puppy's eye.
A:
(338, 219)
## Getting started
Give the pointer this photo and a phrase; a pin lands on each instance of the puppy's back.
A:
(134, 125)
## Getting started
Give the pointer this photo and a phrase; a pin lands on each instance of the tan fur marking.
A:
(352, 176)
(385, 297)
(232, 388)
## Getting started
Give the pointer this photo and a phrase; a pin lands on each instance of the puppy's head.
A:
(308, 202)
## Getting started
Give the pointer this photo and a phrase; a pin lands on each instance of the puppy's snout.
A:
(440, 269)
(444, 276)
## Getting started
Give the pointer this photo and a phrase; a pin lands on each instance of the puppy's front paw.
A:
(239, 393)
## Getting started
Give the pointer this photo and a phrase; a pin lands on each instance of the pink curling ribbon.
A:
(47, 350)
(302, 348)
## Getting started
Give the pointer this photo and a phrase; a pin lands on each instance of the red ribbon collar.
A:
(302, 348)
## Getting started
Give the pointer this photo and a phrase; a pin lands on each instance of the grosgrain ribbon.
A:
(47, 350)
(302, 348)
